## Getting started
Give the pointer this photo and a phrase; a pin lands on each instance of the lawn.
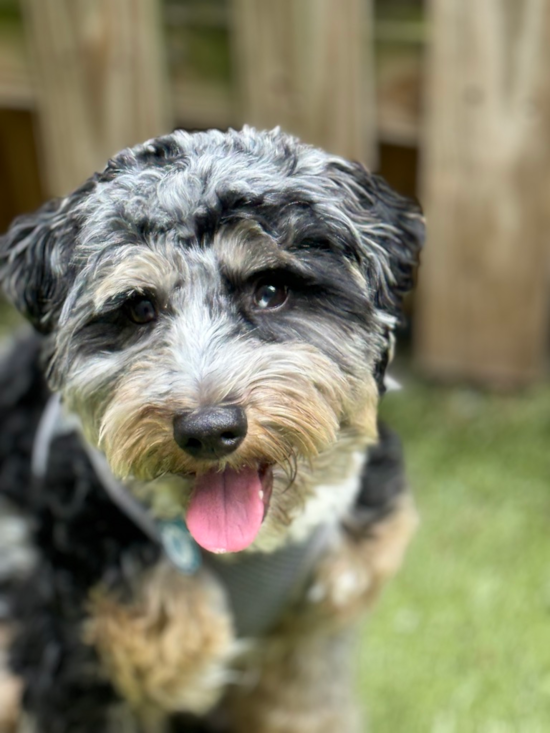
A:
(460, 642)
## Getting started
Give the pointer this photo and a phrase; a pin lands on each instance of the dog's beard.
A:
(295, 406)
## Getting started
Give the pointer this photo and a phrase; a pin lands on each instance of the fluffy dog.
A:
(216, 312)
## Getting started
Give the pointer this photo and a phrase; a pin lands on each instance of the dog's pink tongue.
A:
(226, 509)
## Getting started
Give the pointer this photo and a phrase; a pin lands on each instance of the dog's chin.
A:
(227, 507)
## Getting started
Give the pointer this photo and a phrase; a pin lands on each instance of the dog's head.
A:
(219, 307)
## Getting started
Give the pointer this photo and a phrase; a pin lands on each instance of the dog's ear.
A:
(35, 256)
(390, 229)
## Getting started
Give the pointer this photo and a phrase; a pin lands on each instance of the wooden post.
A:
(483, 296)
(306, 65)
(100, 81)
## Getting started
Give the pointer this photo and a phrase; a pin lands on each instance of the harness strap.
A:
(261, 586)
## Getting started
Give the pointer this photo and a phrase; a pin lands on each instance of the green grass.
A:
(460, 642)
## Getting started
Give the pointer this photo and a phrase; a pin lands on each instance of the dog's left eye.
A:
(141, 310)
(268, 296)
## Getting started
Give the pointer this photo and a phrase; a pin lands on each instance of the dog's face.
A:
(219, 307)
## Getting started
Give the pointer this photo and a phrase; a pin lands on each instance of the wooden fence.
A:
(102, 74)
(483, 305)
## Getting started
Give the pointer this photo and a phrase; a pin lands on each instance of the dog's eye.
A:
(268, 296)
(141, 310)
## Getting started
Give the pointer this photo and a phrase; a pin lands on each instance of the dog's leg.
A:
(166, 648)
(59, 687)
(304, 675)
(304, 685)
(349, 579)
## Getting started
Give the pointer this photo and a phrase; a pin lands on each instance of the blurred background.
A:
(450, 101)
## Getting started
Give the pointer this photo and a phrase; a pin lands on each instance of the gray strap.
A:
(120, 496)
(54, 423)
(261, 586)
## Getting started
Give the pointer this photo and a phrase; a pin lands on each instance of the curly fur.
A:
(193, 222)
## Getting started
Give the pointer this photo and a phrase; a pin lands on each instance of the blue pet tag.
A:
(180, 547)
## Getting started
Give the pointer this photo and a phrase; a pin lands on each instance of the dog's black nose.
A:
(211, 432)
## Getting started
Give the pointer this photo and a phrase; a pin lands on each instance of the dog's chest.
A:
(328, 502)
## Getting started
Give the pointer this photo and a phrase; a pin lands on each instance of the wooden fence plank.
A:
(100, 81)
(304, 65)
(483, 296)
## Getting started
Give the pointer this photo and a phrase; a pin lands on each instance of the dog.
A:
(198, 499)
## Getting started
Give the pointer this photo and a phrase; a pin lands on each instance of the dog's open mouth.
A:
(227, 507)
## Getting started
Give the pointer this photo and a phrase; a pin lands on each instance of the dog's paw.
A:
(169, 647)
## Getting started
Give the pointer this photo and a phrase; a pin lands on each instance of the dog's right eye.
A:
(269, 296)
(141, 310)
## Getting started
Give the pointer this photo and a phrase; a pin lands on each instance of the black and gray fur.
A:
(191, 223)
